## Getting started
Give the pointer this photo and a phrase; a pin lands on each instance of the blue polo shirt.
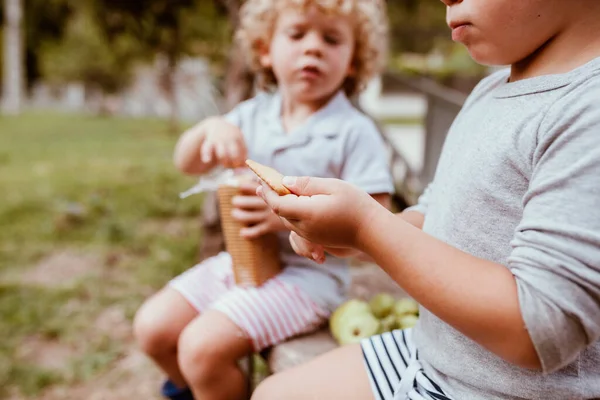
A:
(338, 141)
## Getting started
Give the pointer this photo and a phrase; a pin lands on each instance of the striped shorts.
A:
(267, 315)
(394, 370)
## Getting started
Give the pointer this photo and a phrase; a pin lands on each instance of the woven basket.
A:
(254, 261)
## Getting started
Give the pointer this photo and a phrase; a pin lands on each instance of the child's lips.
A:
(460, 31)
(310, 72)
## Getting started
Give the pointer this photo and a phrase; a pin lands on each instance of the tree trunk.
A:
(167, 69)
(238, 87)
(172, 93)
(13, 72)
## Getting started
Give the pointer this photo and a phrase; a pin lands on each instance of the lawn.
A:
(90, 225)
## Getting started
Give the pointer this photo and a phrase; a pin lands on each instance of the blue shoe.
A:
(170, 391)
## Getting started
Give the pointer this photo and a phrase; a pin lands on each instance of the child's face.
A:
(503, 32)
(310, 53)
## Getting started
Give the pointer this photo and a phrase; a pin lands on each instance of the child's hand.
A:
(210, 142)
(252, 211)
(329, 212)
(316, 252)
(304, 248)
(223, 143)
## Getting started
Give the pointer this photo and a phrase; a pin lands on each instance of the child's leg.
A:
(208, 352)
(339, 374)
(241, 321)
(157, 327)
(383, 367)
(160, 321)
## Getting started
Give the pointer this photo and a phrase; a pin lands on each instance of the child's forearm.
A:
(187, 157)
(414, 218)
(475, 296)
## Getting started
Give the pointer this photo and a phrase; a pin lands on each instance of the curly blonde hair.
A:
(258, 19)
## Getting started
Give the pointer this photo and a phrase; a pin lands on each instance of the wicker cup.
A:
(254, 261)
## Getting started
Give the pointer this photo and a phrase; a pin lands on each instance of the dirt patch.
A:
(175, 227)
(113, 323)
(132, 377)
(62, 269)
(46, 353)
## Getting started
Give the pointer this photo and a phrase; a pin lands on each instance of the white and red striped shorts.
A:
(268, 314)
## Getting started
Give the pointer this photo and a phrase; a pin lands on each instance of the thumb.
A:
(307, 186)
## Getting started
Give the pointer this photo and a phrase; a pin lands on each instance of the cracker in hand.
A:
(270, 176)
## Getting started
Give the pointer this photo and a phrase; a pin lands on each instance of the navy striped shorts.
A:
(394, 370)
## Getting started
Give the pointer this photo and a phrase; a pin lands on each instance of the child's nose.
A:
(313, 44)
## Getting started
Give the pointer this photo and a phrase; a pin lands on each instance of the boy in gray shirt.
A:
(506, 263)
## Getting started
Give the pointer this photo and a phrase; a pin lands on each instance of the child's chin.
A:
(312, 94)
(486, 57)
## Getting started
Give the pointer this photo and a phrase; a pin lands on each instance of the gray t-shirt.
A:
(518, 183)
(338, 141)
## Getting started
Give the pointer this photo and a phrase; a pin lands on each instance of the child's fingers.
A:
(249, 216)
(298, 247)
(221, 152)
(206, 152)
(307, 249)
(249, 189)
(249, 202)
(289, 206)
(237, 153)
(253, 232)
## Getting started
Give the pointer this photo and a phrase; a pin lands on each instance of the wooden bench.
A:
(367, 280)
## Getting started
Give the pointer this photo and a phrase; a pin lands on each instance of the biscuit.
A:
(270, 176)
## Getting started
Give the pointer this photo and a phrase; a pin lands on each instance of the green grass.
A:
(90, 185)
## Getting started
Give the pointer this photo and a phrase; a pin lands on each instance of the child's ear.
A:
(265, 60)
(264, 56)
(351, 70)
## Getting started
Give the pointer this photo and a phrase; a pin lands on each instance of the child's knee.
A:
(208, 345)
(152, 336)
(197, 355)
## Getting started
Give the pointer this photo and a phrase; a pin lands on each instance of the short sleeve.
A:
(240, 112)
(365, 159)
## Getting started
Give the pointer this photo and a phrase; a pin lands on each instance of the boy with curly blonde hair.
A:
(310, 56)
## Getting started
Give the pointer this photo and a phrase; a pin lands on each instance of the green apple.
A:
(389, 323)
(356, 327)
(407, 321)
(349, 308)
(406, 306)
(381, 304)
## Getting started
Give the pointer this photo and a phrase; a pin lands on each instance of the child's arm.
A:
(210, 142)
(477, 297)
(541, 309)
(413, 217)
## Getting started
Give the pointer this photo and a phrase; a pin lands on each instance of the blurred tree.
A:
(170, 29)
(85, 55)
(13, 60)
(416, 25)
(45, 21)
